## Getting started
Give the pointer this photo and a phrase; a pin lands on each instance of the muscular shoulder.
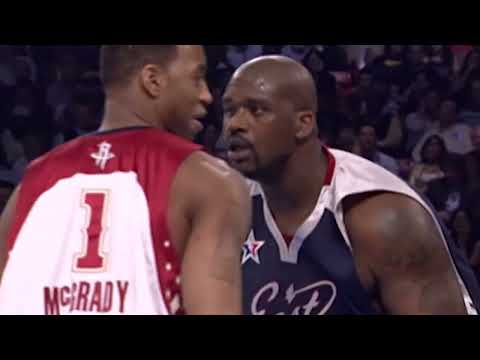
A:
(397, 242)
(203, 177)
(391, 228)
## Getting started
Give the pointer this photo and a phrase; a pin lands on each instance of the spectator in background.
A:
(81, 117)
(416, 58)
(421, 121)
(472, 160)
(7, 66)
(369, 59)
(335, 58)
(369, 99)
(394, 101)
(346, 139)
(433, 154)
(7, 82)
(422, 81)
(392, 65)
(376, 104)
(27, 114)
(392, 141)
(367, 148)
(59, 94)
(240, 54)
(405, 166)
(394, 56)
(441, 61)
(470, 68)
(326, 86)
(220, 70)
(28, 103)
(34, 144)
(470, 114)
(297, 52)
(25, 69)
(448, 193)
(361, 92)
(460, 52)
(457, 136)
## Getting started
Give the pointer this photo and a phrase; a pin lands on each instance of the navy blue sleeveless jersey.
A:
(316, 274)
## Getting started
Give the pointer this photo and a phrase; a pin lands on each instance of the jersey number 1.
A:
(92, 258)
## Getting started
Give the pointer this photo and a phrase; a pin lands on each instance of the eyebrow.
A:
(247, 101)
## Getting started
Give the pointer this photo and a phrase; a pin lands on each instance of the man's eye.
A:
(256, 110)
(228, 111)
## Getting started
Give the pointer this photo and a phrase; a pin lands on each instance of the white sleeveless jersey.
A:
(323, 231)
(93, 237)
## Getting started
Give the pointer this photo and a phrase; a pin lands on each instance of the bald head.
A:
(270, 110)
(282, 76)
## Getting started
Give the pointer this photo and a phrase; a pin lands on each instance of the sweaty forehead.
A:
(274, 79)
(252, 87)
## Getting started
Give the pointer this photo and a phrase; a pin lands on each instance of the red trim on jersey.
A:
(331, 163)
(153, 155)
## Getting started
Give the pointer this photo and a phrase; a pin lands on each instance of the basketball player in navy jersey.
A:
(134, 219)
(332, 233)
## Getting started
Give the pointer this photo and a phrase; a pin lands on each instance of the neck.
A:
(123, 113)
(302, 176)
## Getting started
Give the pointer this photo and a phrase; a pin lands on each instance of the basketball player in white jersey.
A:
(134, 219)
(332, 233)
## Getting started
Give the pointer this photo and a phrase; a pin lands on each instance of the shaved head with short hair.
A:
(118, 63)
(163, 86)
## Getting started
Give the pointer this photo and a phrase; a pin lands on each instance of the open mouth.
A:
(239, 150)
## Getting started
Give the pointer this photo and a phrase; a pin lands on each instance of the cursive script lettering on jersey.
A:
(271, 293)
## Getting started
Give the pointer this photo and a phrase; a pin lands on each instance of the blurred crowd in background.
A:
(413, 109)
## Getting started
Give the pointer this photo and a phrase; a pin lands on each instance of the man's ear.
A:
(153, 80)
(305, 125)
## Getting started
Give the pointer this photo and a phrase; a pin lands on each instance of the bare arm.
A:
(219, 211)
(6, 221)
(400, 243)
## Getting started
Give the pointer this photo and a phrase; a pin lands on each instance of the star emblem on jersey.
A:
(251, 250)
(103, 156)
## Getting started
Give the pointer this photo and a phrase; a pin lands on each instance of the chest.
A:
(315, 274)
